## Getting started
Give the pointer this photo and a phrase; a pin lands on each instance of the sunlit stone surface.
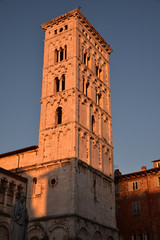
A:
(70, 190)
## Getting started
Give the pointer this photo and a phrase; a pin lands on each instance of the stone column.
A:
(5, 189)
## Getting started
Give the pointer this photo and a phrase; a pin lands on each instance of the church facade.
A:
(70, 190)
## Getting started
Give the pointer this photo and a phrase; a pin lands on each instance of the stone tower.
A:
(75, 106)
(70, 173)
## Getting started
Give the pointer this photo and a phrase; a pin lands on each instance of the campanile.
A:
(70, 190)
(75, 106)
(76, 124)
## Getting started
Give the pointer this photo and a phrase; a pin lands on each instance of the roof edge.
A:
(18, 151)
(84, 20)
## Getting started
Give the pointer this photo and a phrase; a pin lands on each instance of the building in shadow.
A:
(11, 186)
(138, 203)
(70, 174)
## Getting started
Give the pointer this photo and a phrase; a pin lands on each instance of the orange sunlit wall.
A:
(138, 204)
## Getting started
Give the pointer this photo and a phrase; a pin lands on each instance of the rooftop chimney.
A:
(143, 168)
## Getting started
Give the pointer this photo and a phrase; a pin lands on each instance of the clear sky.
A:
(131, 27)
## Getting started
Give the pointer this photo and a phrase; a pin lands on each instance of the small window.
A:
(159, 181)
(56, 56)
(100, 74)
(34, 180)
(61, 30)
(65, 48)
(83, 84)
(57, 84)
(53, 181)
(136, 208)
(135, 186)
(88, 61)
(55, 31)
(87, 87)
(93, 126)
(61, 54)
(59, 115)
(158, 165)
(85, 58)
(99, 99)
(97, 71)
(63, 82)
(66, 27)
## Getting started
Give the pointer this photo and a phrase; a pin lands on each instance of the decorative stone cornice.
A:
(76, 13)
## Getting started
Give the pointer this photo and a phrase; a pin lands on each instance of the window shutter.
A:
(156, 181)
(130, 186)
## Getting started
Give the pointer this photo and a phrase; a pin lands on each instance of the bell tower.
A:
(75, 105)
(70, 189)
(75, 136)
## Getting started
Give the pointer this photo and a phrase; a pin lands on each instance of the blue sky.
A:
(132, 28)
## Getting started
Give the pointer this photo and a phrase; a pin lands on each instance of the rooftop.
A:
(77, 13)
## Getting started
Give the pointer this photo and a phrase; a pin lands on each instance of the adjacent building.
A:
(11, 186)
(138, 204)
(70, 174)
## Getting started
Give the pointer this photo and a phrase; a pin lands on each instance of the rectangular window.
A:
(159, 181)
(135, 186)
(136, 208)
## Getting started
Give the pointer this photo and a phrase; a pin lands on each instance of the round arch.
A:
(4, 232)
(97, 236)
(36, 232)
(59, 232)
(83, 234)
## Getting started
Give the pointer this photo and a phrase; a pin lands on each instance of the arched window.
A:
(99, 99)
(93, 124)
(100, 74)
(56, 56)
(97, 71)
(59, 115)
(83, 84)
(87, 87)
(56, 84)
(65, 49)
(34, 185)
(85, 58)
(63, 82)
(88, 61)
(61, 54)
